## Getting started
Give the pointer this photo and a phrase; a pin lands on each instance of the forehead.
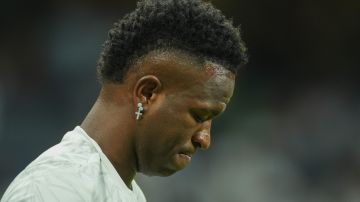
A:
(205, 80)
(212, 85)
(185, 75)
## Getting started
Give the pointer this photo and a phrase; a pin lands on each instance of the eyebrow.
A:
(212, 109)
(226, 100)
(211, 112)
(215, 113)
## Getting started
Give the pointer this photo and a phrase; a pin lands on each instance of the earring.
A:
(139, 111)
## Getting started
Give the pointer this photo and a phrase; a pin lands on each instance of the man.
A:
(167, 69)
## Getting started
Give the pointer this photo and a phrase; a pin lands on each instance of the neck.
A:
(108, 124)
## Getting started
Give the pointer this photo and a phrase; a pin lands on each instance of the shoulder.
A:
(74, 158)
(47, 184)
(43, 190)
(69, 169)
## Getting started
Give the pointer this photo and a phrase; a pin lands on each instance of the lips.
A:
(186, 156)
(183, 157)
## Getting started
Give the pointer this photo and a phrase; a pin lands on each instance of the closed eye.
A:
(198, 118)
(206, 113)
(201, 116)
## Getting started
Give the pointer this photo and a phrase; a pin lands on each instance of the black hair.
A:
(193, 26)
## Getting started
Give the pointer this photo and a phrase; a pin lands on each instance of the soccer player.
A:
(167, 69)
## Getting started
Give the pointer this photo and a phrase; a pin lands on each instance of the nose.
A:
(202, 138)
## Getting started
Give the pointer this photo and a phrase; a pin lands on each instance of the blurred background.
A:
(290, 134)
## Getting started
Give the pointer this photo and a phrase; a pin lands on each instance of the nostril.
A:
(196, 145)
(201, 140)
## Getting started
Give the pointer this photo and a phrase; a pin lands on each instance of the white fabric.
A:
(74, 170)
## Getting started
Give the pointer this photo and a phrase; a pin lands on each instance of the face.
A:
(178, 121)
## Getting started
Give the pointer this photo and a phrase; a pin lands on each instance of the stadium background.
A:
(290, 134)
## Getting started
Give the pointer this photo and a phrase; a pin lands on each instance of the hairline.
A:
(134, 65)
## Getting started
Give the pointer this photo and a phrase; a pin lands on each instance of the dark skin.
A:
(180, 97)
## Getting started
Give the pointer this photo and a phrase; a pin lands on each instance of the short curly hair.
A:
(193, 26)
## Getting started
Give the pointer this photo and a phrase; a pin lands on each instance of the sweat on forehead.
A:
(154, 61)
(162, 55)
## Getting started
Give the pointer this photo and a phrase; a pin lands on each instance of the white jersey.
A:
(74, 170)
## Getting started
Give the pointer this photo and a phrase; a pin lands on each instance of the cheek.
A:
(171, 115)
(168, 123)
(169, 129)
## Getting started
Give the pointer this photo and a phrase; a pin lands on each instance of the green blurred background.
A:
(290, 134)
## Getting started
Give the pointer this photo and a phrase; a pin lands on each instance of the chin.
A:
(168, 168)
(167, 172)
(161, 172)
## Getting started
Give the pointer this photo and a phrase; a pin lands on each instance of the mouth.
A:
(187, 157)
(186, 154)
(184, 157)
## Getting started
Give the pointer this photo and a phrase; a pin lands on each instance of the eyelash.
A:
(198, 118)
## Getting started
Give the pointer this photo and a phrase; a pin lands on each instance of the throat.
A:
(126, 172)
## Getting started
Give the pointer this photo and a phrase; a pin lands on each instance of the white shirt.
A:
(74, 170)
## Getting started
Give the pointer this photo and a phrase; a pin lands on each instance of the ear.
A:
(146, 89)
